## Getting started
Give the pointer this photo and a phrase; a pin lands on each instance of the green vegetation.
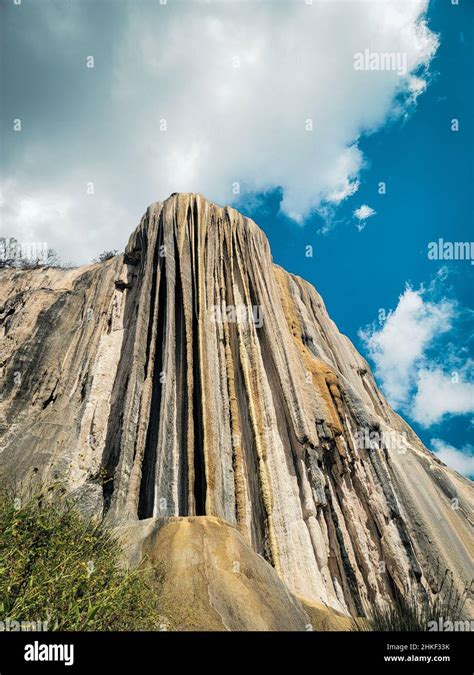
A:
(416, 612)
(105, 255)
(57, 567)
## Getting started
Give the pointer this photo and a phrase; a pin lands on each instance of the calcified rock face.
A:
(193, 377)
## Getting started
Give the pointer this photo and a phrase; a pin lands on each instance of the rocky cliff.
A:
(191, 376)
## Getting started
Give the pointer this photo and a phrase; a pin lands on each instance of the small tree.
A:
(50, 260)
(105, 255)
(10, 258)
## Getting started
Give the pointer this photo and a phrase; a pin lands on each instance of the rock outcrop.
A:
(191, 376)
(209, 578)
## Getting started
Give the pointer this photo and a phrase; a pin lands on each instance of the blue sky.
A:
(196, 96)
(428, 171)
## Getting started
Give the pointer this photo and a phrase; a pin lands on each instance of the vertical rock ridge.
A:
(192, 376)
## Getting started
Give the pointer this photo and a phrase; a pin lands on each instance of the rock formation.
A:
(191, 376)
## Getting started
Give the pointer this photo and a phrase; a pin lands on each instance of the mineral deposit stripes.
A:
(204, 408)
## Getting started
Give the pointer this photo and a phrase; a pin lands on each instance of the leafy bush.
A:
(105, 255)
(56, 566)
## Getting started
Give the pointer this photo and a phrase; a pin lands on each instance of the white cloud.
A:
(398, 347)
(362, 213)
(420, 377)
(260, 93)
(267, 94)
(417, 86)
(461, 461)
(439, 394)
(66, 220)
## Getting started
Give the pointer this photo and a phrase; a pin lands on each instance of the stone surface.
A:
(120, 379)
(210, 579)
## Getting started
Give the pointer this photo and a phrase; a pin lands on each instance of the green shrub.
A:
(105, 255)
(414, 612)
(56, 566)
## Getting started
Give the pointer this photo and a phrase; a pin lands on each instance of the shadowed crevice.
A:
(200, 484)
(181, 388)
(147, 485)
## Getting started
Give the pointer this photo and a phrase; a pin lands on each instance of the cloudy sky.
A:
(265, 105)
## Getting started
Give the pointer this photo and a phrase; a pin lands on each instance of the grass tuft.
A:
(57, 567)
(414, 612)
